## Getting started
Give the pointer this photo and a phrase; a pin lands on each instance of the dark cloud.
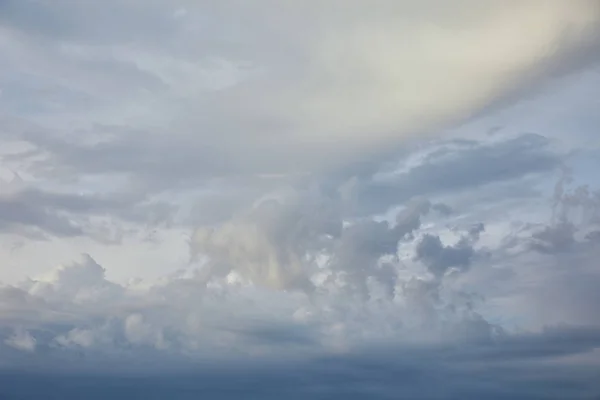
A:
(528, 367)
(555, 238)
(274, 335)
(443, 209)
(361, 246)
(575, 216)
(462, 166)
(14, 213)
(439, 258)
(67, 213)
(593, 236)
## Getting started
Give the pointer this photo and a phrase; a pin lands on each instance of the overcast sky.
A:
(311, 199)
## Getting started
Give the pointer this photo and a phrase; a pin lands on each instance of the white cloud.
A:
(356, 291)
(78, 337)
(80, 282)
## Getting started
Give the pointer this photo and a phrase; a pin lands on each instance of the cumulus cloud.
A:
(289, 274)
(310, 276)
(294, 278)
(79, 282)
(280, 243)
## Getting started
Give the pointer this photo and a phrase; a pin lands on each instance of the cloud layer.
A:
(344, 198)
(275, 87)
(301, 278)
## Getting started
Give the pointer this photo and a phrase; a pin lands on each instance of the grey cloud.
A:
(16, 213)
(67, 21)
(298, 110)
(66, 214)
(162, 163)
(546, 273)
(552, 341)
(192, 311)
(142, 101)
(270, 243)
(275, 243)
(518, 367)
(593, 236)
(19, 306)
(476, 230)
(361, 246)
(462, 167)
(442, 208)
(582, 201)
(156, 161)
(574, 212)
(80, 282)
(138, 100)
(556, 238)
(202, 312)
(273, 335)
(440, 258)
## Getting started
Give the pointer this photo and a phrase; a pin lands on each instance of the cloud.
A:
(21, 340)
(390, 84)
(357, 83)
(308, 273)
(554, 238)
(543, 273)
(77, 337)
(290, 273)
(450, 167)
(362, 314)
(499, 371)
(323, 259)
(440, 258)
(37, 212)
(278, 243)
(78, 282)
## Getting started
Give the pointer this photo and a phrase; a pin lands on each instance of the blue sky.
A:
(333, 199)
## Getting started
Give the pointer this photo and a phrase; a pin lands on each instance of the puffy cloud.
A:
(139, 332)
(310, 275)
(281, 243)
(245, 295)
(229, 307)
(77, 337)
(269, 245)
(79, 282)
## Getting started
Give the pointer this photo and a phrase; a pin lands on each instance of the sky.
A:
(311, 199)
